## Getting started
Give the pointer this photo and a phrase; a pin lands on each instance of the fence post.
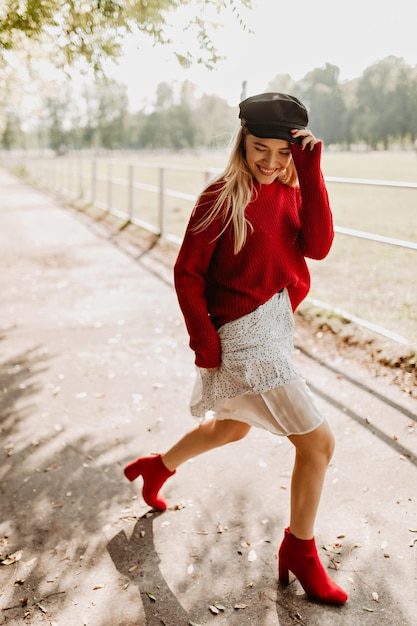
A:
(130, 207)
(207, 176)
(162, 201)
(80, 174)
(109, 186)
(93, 181)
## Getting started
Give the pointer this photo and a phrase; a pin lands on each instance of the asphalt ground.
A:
(95, 370)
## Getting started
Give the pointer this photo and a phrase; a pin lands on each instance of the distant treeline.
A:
(376, 110)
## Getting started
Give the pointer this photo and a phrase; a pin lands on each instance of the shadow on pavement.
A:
(138, 560)
(59, 491)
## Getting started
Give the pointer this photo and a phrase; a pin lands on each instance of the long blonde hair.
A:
(236, 192)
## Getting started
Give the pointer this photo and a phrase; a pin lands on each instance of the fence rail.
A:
(150, 203)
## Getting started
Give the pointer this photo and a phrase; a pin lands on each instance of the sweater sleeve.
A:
(190, 277)
(316, 234)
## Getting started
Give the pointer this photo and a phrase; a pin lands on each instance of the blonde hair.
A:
(236, 191)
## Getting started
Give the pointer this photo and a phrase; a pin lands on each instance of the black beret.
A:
(273, 115)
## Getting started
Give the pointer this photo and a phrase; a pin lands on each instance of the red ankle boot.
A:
(154, 474)
(300, 556)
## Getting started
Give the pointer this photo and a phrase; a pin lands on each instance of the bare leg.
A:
(312, 457)
(298, 551)
(206, 436)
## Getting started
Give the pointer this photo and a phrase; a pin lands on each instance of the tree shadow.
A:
(52, 511)
(60, 490)
(18, 384)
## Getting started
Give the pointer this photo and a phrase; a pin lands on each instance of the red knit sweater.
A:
(215, 286)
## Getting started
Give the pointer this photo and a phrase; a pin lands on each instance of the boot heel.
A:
(154, 474)
(301, 557)
(283, 574)
(133, 470)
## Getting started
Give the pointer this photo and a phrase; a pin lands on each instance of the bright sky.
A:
(291, 37)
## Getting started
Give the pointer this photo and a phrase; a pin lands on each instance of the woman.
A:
(240, 274)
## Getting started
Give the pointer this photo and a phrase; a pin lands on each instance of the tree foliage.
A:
(377, 109)
(94, 29)
(386, 102)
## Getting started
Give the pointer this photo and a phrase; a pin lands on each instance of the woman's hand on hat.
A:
(308, 138)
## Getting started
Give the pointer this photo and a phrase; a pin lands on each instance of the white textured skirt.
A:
(257, 382)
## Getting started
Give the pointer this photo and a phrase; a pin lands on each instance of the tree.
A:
(386, 102)
(164, 96)
(282, 83)
(57, 107)
(112, 113)
(11, 135)
(320, 90)
(217, 121)
(94, 29)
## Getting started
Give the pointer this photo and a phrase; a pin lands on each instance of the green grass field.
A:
(373, 281)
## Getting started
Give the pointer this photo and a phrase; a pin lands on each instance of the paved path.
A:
(95, 369)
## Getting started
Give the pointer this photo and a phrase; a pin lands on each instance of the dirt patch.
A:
(330, 335)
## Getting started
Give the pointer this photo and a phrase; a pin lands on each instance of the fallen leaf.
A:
(240, 606)
(252, 556)
(133, 568)
(12, 558)
(219, 606)
(213, 609)
(151, 596)
(375, 596)
(42, 608)
(334, 548)
(98, 587)
(50, 468)
(365, 608)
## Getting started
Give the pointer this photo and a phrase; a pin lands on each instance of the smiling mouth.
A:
(266, 172)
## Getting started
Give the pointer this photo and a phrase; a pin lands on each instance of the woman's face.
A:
(266, 158)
